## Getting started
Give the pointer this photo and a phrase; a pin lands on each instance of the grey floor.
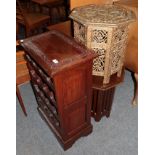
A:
(117, 135)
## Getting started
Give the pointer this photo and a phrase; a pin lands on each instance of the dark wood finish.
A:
(67, 27)
(103, 95)
(60, 71)
(64, 27)
(31, 20)
(102, 103)
(44, 2)
(51, 5)
(22, 74)
(133, 3)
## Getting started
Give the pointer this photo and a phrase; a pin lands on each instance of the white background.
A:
(146, 75)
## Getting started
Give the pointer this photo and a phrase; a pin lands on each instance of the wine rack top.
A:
(55, 51)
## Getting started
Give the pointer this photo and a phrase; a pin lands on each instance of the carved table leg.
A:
(20, 100)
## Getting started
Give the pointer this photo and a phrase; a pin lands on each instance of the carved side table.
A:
(60, 71)
(103, 28)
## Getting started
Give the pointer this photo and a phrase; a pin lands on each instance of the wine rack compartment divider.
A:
(44, 88)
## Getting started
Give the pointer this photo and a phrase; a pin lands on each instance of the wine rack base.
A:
(66, 144)
(102, 102)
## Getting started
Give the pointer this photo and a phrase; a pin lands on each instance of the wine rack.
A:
(60, 71)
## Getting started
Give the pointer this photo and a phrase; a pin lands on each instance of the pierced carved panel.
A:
(115, 62)
(99, 51)
(79, 32)
(117, 55)
(118, 46)
(99, 62)
(98, 65)
(99, 36)
(120, 34)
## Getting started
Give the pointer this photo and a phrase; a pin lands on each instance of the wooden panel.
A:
(133, 3)
(64, 27)
(76, 86)
(75, 117)
(102, 103)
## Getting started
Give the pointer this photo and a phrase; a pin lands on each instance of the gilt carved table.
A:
(103, 28)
